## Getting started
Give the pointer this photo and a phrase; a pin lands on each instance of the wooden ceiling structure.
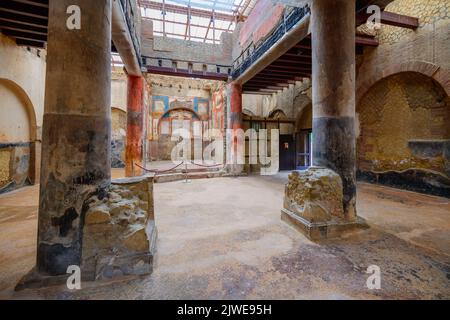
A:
(25, 21)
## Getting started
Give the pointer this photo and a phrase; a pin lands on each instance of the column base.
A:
(322, 230)
(132, 265)
(119, 236)
(35, 280)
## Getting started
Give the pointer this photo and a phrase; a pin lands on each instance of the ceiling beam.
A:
(366, 41)
(25, 35)
(27, 9)
(187, 73)
(23, 19)
(11, 25)
(391, 19)
(260, 82)
(256, 92)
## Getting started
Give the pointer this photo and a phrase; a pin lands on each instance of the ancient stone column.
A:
(235, 145)
(135, 126)
(76, 130)
(333, 90)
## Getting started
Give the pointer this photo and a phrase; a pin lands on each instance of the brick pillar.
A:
(135, 127)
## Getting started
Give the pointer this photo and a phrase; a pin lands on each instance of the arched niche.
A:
(19, 150)
(403, 133)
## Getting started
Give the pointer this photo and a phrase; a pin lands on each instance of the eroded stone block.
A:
(314, 194)
(313, 204)
(119, 232)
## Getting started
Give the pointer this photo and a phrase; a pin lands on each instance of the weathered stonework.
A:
(403, 132)
(119, 233)
(118, 237)
(315, 194)
(313, 204)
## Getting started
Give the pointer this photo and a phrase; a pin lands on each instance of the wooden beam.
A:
(25, 35)
(187, 73)
(289, 71)
(295, 64)
(289, 75)
(366, 41)
(30, 43)
(11, 25)
(259, 119)
(258, 82)
(259, 86)
(26, 9)
(391, 19)
(23, 19)
(257, 92)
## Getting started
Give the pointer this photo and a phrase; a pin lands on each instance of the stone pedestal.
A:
(120, 234)
(313, 204)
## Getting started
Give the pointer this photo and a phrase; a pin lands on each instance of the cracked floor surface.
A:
(223, 238)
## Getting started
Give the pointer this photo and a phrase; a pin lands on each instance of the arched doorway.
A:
(403, 134)
(18, 154)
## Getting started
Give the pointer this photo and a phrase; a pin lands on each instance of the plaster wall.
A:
(22, 86)
(119, 92)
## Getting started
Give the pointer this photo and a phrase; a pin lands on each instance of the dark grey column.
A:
(333, 76)
(76, 130)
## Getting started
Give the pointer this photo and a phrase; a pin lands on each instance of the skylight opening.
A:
(194, 20)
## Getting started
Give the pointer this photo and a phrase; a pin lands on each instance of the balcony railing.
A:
(251, 54)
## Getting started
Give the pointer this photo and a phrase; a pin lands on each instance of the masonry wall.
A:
(402, 101)
(22, 86)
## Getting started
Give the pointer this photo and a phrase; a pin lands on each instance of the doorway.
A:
(287, 152)
(304, 149)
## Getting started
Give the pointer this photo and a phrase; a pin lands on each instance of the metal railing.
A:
(251, 54)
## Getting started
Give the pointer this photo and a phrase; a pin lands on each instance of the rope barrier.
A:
(156, 171)
(206, 166)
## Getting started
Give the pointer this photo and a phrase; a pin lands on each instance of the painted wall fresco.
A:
(218, 109)
(162, 114)
(169, 113)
